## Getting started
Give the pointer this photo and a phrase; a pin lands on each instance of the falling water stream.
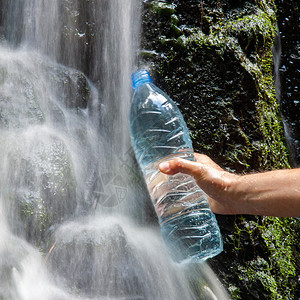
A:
(74, 210)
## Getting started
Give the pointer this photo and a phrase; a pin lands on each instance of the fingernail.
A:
(165, 166)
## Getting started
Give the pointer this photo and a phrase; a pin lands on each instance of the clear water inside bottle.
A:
(156, 126)
(159, 133)
(188, 226)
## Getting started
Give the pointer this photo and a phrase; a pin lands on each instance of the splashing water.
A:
(74, 208)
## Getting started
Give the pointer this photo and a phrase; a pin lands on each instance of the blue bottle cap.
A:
(140, 77)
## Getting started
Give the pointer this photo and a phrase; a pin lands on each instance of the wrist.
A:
(238, 194)
(248, 195)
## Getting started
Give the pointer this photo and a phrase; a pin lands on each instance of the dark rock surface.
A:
(215, 60)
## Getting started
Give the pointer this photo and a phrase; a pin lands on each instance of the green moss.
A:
(220, 72)
(258, 272)
(163, 8)
(248, 37)
(35, 218)
(272, 270)
(282, 240)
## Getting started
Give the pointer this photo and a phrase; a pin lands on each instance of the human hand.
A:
(211, 178)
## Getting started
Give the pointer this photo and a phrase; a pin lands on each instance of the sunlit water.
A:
(74, 209)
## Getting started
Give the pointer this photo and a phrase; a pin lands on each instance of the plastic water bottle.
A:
(159, 133)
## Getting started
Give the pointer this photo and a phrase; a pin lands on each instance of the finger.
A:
(181, 166)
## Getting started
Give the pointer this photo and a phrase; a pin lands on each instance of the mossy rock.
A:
(107, 256)
(79, 259)
(35, 96)
(217, 65)
(45, 193)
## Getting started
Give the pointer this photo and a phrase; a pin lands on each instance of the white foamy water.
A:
(73, 217)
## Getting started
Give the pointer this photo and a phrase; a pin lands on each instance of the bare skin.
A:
(273, 193)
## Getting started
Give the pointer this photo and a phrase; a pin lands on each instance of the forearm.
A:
(274, 193)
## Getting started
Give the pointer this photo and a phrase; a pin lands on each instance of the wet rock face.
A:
(79, 260)
(107, 257)
(209, 59)
(46, 187)
(214, 58)
(35, 93)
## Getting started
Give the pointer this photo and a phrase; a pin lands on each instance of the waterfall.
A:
(289, 71)
(74, 210)
(290, 126)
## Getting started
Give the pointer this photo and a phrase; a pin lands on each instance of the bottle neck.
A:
(140, 77)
